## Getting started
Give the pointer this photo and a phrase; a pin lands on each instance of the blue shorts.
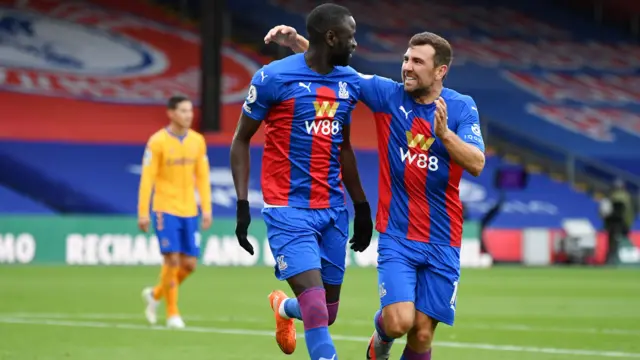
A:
(423, 273)
(307, 239)
(177, 234)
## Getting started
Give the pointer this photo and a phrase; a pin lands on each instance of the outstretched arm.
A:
(287, 36)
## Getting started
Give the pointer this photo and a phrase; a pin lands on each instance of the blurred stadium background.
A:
(549, 263)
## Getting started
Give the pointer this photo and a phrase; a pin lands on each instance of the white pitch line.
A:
(244, 319)
(245, 332)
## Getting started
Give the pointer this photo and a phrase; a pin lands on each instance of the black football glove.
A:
(243, 219)
(362, 227)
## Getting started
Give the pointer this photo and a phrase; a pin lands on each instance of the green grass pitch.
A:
(96, 313)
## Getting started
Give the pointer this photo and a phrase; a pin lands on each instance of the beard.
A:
(341, 59)
(418, 92)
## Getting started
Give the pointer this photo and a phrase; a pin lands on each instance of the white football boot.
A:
(175, 322)
(152, 306)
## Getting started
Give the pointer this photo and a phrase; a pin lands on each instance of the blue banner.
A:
(104, 179)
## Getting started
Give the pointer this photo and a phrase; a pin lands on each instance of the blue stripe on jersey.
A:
(335, 198)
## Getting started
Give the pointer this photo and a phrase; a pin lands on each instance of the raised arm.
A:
(465, 145)
(287, 36)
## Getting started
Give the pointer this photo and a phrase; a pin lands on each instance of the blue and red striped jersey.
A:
(418, 182)
(303, 113)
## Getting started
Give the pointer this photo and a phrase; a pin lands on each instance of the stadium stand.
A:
(15, 203)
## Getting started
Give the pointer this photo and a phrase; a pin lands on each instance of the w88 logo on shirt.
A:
(417, 153)
(323, 127)
(324, 124)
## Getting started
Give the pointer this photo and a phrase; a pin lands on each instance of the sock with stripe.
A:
(315, 316)
(378, 323)
(409, 354)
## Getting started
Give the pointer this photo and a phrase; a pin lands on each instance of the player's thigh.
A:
(397, 275)
(190, 237)
(333, 247)
(168, 232)
(293, 241)
(438, 281)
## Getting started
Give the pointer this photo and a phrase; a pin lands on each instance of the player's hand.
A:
(207, 219)
(143, 223)
(282, 35)
(441, 118)
(362, 227)
(243, 219)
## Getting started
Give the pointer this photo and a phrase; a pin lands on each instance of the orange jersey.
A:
(173, 168)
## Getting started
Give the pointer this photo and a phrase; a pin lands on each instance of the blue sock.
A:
(319, 344)
(292, 309)
(315, 317)
(377, 322)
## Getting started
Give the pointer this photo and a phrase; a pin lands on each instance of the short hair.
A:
(443, 51)
(175, 100)
(324, 18)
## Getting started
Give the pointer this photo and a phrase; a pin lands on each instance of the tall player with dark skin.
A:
(331, 43)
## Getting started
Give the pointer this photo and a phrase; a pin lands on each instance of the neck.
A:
(432, 95)
(317, 60)
(176, 129)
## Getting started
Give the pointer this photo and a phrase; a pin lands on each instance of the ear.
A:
(441, 72)
(330, 37)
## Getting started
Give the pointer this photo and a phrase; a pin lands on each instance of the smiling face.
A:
(426, 62)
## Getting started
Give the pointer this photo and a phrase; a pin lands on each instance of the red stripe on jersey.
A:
(276, 168)
(383, 129)
(326, 106)
(453, 204)
(419, 141)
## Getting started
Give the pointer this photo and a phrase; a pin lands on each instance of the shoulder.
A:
(278, 69)
(157, 138)
(458, 100)
(347, 72)
(196, 136)
(358, 76)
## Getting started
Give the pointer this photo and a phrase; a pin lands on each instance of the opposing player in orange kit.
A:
(174, 166)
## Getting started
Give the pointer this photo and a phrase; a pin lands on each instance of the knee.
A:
(189, 266)
(172, 260)
(313, 308)
(397, 323)
(332, 311)
(423, 335)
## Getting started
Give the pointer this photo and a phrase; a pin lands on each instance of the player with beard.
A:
(427, 136)
(305, 102)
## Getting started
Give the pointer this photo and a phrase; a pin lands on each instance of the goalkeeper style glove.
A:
(362, 227)
(243, 219)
